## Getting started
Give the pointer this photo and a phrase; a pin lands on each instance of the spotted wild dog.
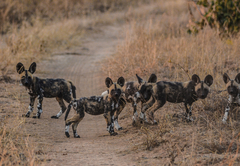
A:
(107, 105)
(130, 95)
(233, 89)
(174, 92)
(49, 88)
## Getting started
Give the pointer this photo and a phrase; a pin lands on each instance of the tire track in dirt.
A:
(95, 147)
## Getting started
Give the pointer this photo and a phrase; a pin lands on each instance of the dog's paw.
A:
(34, 116)
(54, 117)
(26, 115)
(113, 133)
(67, 134)
(76, 136)
(190, 120)
(155, 122)
(120, 128)
(224, 121)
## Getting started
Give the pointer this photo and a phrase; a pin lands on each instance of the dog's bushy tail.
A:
(74, 99)
(68, 109)
(73, 90)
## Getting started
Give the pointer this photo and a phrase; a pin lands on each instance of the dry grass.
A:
(16, 147)
(158, 43)
(32, 31)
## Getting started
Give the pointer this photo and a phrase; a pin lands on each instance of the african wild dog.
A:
(130, 95)
(174, 92)
(49, 88)
(233, 88)
(96, 105)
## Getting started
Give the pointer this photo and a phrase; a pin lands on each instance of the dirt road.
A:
(95, 147)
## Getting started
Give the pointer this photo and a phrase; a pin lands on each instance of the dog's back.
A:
(175, 92)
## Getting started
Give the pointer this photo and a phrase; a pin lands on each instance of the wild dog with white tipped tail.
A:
(233, 89)
(174, 92)
(107, 105)
(48, 88)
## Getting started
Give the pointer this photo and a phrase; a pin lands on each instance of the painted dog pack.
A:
(174, 92)
(130, 95)
(48, 88)
(233, 89)
(107, 105)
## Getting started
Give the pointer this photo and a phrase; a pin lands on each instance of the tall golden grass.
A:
(158, 43)
(16, 147)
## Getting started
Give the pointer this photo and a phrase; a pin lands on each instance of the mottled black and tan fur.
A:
(107, 105)
(130, 95)
(174, 92)
(48, 88)
(233, 89)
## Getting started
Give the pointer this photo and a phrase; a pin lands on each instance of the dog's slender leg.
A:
(115, 119)
(74, 128)
(109, 120)
(75, 120)
(62, 110)
(135, 114)
(39, 107)
(134, 102)
(119, 109)
(155, 106)
(145, 107)
(227, 109)
(188, 112)
(31, 105)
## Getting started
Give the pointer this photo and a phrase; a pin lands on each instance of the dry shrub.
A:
(35, 43)
(153, 138)
(15, 146)
(34, 28)
(16, 12)
(159, 43)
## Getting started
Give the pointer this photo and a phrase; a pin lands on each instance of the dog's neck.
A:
(31, 88)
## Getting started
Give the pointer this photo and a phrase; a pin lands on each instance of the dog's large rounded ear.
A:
(20, 68)
(140, 80)
(108, 82)
(195, 79)
(208, 80)
(226, 78)
(121, 81)
(237, 78)
(152, 78)
(32, 67)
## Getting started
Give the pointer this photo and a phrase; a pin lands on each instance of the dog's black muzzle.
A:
(233, 91)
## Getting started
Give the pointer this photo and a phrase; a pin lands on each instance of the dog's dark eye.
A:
(29, 78)
(23, 77)
(199, 90)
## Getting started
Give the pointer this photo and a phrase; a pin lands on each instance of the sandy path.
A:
(95, 147)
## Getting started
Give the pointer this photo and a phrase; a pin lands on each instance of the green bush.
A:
(222, 15)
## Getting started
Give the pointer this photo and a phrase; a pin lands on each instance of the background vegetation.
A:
(156, 42)
(222, 15)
